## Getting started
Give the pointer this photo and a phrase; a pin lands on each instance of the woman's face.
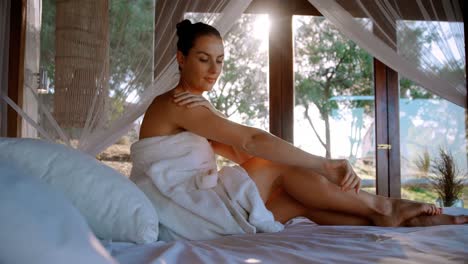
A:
(201, 67)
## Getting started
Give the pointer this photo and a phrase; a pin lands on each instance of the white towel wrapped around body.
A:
(193, 200)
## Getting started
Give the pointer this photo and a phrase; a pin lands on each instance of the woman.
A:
(289, 181)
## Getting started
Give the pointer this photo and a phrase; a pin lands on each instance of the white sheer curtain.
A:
(422, 40)
(102, 79)
(221, 14)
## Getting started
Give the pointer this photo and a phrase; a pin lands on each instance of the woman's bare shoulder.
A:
(165, 117)
(159, 118)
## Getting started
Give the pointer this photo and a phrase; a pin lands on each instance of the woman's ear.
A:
(180, 59)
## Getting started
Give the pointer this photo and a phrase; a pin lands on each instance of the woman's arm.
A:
(255, 142)
(230, 152)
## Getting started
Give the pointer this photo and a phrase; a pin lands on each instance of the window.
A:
(334, 96)
(427, 125)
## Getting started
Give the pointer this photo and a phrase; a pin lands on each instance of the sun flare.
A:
(261, 30)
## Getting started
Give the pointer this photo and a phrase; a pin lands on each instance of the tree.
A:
(81, 59)
(48, 39)
(242, 88)
(425, 116)
(413, 35)
(130, 48)
(328, 66)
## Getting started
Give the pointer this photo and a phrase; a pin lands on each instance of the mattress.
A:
(303, 241)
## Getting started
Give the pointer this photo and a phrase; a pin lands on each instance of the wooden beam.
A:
(387, 117)
(296, 7)
(281, 57)
(408, 10)
(387, 131)
(4, 43)
(393, 130)
(435, 9)
(16, 64)
(381, 132)
(464, 8)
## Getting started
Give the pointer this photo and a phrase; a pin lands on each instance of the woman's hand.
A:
(192, 100)
(342, 173)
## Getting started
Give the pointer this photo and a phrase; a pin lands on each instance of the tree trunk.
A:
(307, 116)
(81, 61)
(466, 130)
(327, 135)
(326, 118)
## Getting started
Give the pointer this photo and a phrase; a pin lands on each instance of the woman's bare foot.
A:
(425, 220)
(397, 211)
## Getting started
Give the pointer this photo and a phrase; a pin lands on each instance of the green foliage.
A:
(131, 45)
(410, 90)
(131, 32)
(447, 179)
(242, 88)
(417, 34)
(426, 195)
(330, 65)
(423, 163)
(418, 193)
(48, 39)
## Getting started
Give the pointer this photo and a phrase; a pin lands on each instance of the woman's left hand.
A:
(342, 174)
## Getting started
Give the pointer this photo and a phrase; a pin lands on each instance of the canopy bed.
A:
(104, 216)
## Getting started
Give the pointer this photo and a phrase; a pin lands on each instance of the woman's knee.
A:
(258, 167)
(265, 174)
(305, 177)
(284, 207)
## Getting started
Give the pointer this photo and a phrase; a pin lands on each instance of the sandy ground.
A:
(117, 156)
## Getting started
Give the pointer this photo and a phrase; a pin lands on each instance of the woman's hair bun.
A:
(182, 26)
(188, 33)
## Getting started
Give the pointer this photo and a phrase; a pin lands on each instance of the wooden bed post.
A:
(16, 64)
(5, 7)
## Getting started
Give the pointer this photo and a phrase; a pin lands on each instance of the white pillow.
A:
(113, 206)
(39, 225)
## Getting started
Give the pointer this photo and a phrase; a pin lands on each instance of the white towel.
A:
(194, 201)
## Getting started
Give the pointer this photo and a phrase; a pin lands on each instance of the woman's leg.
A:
(315, 192)
(424, 220)
(284, 208)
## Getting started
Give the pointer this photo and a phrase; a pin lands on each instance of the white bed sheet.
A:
(303, 241)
